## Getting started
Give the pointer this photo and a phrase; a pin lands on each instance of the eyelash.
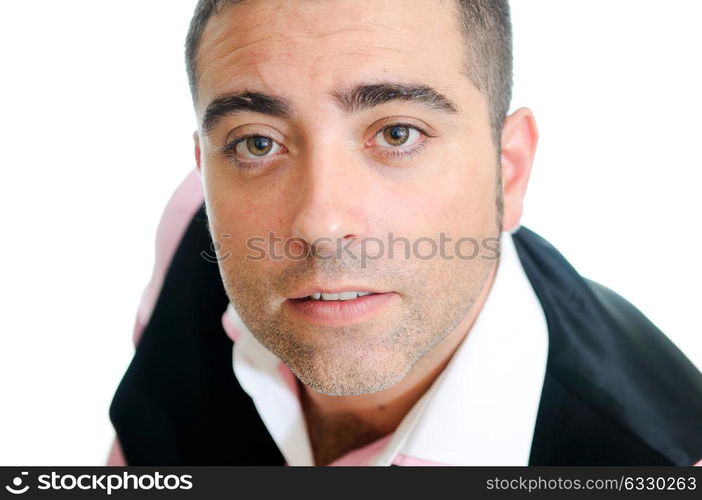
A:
(230, 149)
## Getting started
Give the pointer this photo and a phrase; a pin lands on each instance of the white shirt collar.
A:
(481, 410)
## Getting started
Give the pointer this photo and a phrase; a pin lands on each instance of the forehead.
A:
(290, 47)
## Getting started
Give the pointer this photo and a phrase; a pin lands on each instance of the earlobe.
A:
(519, 139)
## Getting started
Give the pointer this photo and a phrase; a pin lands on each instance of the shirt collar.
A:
(483, 407)
(481, 410)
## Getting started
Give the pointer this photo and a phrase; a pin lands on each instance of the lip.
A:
(307, 291)
(340, 312)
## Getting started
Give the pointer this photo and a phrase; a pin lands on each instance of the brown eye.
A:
(256, 146)
(259, 146)
(396, 135)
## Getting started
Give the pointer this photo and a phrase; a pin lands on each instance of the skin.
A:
(333, 177)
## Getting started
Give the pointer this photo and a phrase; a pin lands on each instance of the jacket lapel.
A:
(617, 391)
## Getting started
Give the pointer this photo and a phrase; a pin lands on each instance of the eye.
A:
(256, 146)
(397, 135)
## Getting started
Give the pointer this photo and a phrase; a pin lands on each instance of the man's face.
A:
(348, 156)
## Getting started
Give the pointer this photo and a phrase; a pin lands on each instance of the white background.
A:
(96, 131)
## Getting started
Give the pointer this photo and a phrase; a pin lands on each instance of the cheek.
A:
(243, 210)
(472, 197)
(247, 259)
(460, 198)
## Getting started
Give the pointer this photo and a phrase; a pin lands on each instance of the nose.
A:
(331, 205)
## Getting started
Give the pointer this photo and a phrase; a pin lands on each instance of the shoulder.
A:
(183, 204)
(608, 356)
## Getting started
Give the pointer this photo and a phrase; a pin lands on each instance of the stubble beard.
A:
(349, 360)
(364, 358)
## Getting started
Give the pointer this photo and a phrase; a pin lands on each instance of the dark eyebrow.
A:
(367, 96)
(231, 104)
(357, 99)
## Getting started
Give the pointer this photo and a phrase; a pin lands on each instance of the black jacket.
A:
(616, 390)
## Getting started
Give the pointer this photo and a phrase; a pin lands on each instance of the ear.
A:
(198, 153)
(519, 139)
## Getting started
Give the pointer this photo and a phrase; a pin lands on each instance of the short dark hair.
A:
(487, 31)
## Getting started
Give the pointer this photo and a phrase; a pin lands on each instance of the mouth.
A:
(339, 308)
(330, 297)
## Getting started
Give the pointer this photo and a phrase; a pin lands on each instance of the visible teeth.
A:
(338, 296)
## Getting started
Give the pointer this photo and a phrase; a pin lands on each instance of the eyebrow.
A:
(232, 104)
(357, 99)
(368, 96)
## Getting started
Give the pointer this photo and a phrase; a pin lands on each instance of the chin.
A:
(341, 374)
